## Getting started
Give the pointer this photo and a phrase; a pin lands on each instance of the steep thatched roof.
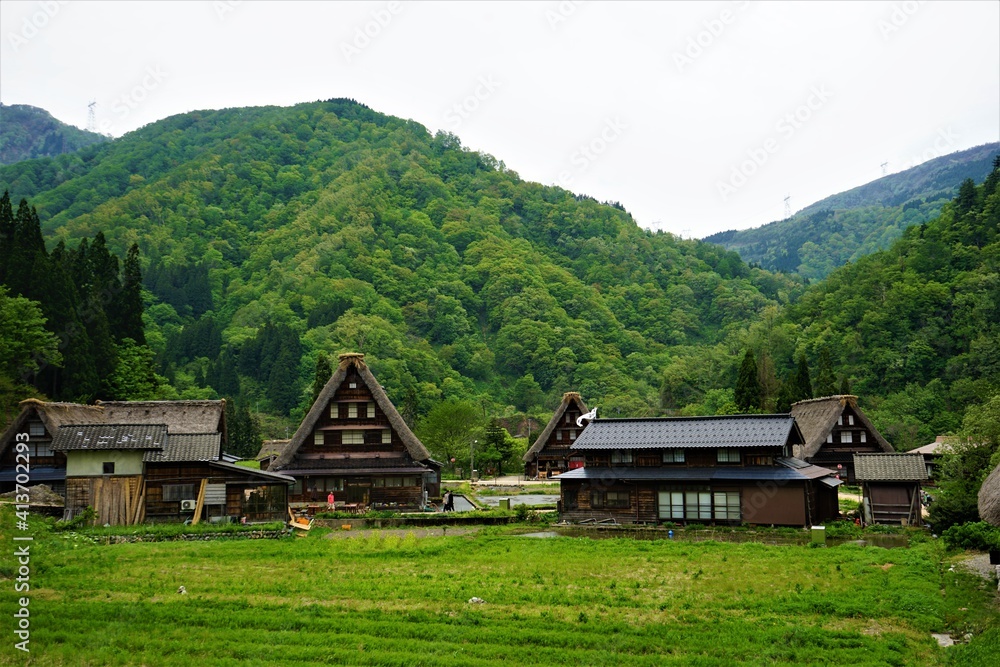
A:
(989, 498)
(817, 417)
(52, 415)
(271, 448)
(179, 416)
(568, 399)
(356, 361)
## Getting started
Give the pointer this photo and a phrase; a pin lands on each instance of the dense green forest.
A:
(268, 237)
(847, 226)
(27, 132)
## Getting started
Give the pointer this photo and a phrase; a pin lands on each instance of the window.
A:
(621, 457)
(572, 434)
(845, 437)
(864, 437)
(570, 499)
(352, 385)
(386, 436)
(334, 411)
(610, 499)
(568, 418)
(840, 420)
(698, 504)
(36, 429)
(352, 410)
(829, 438)
(352, 437)
(728, 455)
(671, 504)
(371, 411)
(318, 438)
(109, 467)
(43, 449)
(850, 420)
(673, 456)
(727, 505)
(173, 492)
(759, 460)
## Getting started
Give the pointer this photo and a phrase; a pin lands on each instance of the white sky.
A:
(538, 83)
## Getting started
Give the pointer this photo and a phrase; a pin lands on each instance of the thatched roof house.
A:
(835, 429)
(353, 442)
(551, 451)
(989, 498)
(270, 450)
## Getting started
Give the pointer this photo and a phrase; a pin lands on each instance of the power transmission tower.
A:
(788, 206)
(91, 116)
(884, 165)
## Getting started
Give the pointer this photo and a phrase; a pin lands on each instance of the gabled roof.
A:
(941, 444)
(989, 498)
(84, 437)
(568, 399)
(889, 467)
(356, 361)
(266, 475)
(179, 416)
(691, 432)
(817, 417)
(53, 415)
(188, 447)
(271, 448)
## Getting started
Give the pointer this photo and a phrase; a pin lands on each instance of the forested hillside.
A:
(269, 235)
(852, 224)
(27, 132)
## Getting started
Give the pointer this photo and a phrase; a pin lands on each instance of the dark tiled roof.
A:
(726, 431)
(109, 436)
(187, 447)
(684, 474)
(889, 467)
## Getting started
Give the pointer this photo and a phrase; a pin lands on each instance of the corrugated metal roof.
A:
(721, 431)
(187, 447)
(889, 467)
(82, 437)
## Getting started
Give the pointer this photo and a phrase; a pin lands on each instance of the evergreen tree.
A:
(748, 393)
(801, 385)
(323, 372)
(966, 199)
(786, 395)
(845, 386)
(282, 386)
(826, 381)
(6, 234)
(243, 430)
(128, 307)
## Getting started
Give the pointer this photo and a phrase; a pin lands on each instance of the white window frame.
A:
(572, 434)
(864, 436)
(36, 429)
(386, 436)
(846, 438)
(352, 410)
(727, 505)
(371, 410)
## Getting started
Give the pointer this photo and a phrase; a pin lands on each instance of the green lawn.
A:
(403, 600)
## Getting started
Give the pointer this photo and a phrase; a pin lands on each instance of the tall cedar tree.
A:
(826, 381)
(786, 395)
(128, 321)
(801, 385)
(323, 372)
(748, 392)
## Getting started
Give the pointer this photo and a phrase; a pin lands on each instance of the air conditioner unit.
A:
(188, 505)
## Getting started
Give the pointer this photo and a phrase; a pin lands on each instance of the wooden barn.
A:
(138, 460)
(890, 485)
(728, 469)
(835, 429)
(551, 455)
(354, 443)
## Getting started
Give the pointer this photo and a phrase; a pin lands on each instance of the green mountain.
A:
(270, 235)
(27, 132)
(849, 225)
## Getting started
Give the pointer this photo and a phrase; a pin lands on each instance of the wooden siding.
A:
(113, 497)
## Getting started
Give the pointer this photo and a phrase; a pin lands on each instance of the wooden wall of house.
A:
(891, 502)
(583, 509)
(770, 503)
(113, 497)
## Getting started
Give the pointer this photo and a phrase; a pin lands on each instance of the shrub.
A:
(81, 520)
(978, 536)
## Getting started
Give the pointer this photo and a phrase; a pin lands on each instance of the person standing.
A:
(330, 501)
(446, 504)
(450, 505)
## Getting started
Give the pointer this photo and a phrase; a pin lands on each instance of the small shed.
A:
(890, 485)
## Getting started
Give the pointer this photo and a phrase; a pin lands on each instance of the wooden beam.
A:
(140, 495)
(201, 502)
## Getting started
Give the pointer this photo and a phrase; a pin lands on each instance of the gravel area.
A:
(980, 564)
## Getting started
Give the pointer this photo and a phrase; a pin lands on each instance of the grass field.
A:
(402, 600)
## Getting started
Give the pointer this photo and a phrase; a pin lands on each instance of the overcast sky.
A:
(697, 117)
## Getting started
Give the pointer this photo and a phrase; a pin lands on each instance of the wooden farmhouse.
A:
(147, 460)
(890, 485)
(354, 443)
(835, 429)
(932, 454)
(729, 469)
(551, 454)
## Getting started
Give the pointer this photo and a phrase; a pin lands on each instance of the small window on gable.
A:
(845, 437)
(864, 437)
(840, 420)
(572, 434)
(109, 467)
(352, 385)
(386, 436)
(850, 420)
(352, 437)
(318, 438)
(36, 429)
(371, 410)
(829, 438)
(352, 410)
(334, 411)
(567, 417)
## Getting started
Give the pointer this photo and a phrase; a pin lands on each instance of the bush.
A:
(978, 536)
(81, 520)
